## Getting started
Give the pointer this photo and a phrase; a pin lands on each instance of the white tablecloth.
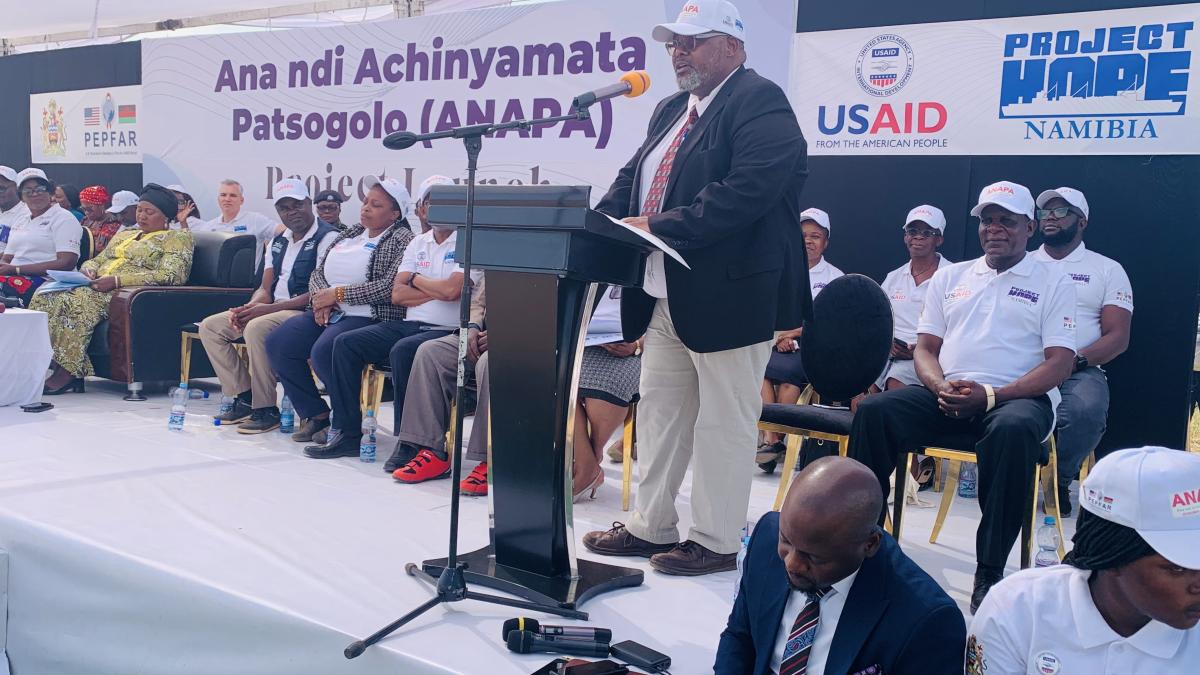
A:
(24, 356)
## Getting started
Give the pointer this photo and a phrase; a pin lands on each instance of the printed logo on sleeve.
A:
(1125, 296)
(1069, 322)
(1186, 504)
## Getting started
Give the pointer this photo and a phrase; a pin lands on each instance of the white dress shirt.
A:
(1043, 620)
(907, 299)
(1099, 281)
(821, 274)
(832, 605)
(655, 281)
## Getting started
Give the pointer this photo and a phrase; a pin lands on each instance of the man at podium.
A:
(719, 179)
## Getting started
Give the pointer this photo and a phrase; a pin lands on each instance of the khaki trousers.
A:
(235, 375)
(432, 385)
(701, 407)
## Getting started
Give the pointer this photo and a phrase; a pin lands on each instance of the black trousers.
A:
(1008, 448)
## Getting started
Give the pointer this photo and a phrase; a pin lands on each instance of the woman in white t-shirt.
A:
(45, 240)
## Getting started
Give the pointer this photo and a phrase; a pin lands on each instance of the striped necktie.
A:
(658, 187)
(800, 639)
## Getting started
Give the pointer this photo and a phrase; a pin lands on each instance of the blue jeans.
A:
(1082, 420)
(293, 344)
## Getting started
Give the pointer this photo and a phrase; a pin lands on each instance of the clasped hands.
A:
(961, 399)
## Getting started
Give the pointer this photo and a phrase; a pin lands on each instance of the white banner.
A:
(86, 126)
(1111, 82)
(316, 104)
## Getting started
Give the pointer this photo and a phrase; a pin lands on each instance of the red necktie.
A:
(659, 187)
(804, 632)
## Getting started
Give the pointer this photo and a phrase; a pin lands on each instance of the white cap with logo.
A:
(30, 174)
(930, 215)
(703, 16)
(817, 216)
(290, 188)
(1156, 492)
(1008, 196)
(122, 200)
(394, 188)
(1070, 195)
(8, 174)
(423, 188)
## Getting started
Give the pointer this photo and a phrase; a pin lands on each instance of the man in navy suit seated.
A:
(825, 590)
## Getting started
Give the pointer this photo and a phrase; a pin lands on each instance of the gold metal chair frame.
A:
(795, 437)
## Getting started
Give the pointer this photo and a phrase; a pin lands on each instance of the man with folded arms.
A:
(996, 338)
(288, 263)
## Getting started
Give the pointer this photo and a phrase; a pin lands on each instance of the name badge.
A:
(369, 246)
(239, 228)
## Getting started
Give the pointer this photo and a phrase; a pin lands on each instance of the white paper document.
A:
(69, 277)
(602, 339)
(658, 243)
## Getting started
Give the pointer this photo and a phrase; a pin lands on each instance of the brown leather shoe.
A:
(690, 559)
(618, 541)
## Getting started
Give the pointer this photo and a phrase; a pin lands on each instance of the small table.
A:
(24, 355)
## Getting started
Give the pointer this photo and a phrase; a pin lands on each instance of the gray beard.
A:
(689, 82)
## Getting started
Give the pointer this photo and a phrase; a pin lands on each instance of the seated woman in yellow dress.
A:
(150, 255)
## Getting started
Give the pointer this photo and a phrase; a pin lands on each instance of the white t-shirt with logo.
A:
(820, 275)
(1044, 621)
(38, 240)
(907, 299)
(7, 219)
(435, 261)
(346, 264)
(995, 327)
(1099, 281)
(282, 293)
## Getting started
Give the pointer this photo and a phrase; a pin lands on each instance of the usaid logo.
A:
(1104, 83)
(884, 65)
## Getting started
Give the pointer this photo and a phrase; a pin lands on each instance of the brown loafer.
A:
(618, 541)
(690, 559)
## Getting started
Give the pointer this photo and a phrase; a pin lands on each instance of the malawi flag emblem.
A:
(127, 114)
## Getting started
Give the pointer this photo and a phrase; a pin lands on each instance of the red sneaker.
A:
(475, 485)
(425, 466)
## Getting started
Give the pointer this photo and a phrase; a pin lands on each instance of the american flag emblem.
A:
(883, 81)
(91, 117)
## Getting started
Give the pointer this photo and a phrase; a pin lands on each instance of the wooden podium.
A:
(544, 251)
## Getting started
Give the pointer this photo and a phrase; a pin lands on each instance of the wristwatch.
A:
(1081, 362)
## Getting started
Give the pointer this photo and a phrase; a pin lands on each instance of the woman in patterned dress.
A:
(150, 255)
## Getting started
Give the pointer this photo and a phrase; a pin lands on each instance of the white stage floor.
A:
(133, 549)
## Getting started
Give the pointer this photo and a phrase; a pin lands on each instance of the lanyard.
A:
(119, 252)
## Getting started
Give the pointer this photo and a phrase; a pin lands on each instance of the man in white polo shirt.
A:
(906, 286)
(234, 219)
(11, 206)
(124, 206)
(996, 338)
(1103, 315)
(1127, 601)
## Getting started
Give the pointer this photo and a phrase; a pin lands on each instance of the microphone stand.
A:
(451, 584)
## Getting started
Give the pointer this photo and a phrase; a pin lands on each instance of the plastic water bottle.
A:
(366, 448)
(741, 559)
(968, 481)
(227, 403)
(287, 416)
(179, 403)
(1047, 542)
(191, 393)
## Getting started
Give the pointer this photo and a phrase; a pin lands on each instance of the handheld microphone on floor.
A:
(569, 632)
(528, 642)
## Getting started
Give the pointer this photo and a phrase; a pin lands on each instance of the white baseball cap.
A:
(930, 215)
(703, 16)
(1155, 491)
(394, 188)
(293, 188)
(1070, 195)
(423, 188)
(817, 216)
(122, 200)
(30, 174)
(1007, 195)
(8, 174)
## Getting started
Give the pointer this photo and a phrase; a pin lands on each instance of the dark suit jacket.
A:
(896, 617)
(732, 196)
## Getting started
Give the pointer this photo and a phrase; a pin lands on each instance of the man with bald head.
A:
(825, 590)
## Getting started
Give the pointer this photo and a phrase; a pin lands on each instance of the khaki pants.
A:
(701, 406)
(235, 375)
(432, 385)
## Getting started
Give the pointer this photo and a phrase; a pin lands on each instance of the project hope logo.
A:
(1101, 83)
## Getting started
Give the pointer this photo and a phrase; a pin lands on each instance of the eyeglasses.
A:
(687, 43)
(35, 190)
(1059, 213)
(920, 234)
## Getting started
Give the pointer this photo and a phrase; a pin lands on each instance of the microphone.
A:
(569, 632)
(528, 642)
(631, 85)
(399, 140)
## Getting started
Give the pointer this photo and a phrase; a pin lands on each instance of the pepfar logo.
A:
(884, 65)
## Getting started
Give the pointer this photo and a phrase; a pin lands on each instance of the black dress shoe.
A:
(339, 445)
(402, 455)
(985, 578)
(75, 385)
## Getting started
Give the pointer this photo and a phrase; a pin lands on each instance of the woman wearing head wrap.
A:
(150, 255)
(103, 225)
